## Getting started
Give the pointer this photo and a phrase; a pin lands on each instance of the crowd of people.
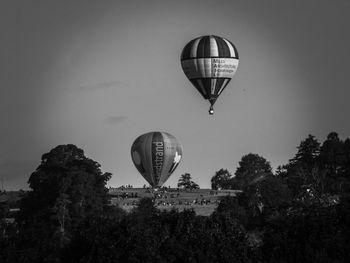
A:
(163, 197)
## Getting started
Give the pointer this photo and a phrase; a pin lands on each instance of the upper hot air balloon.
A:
(156, 155)
(209, 62)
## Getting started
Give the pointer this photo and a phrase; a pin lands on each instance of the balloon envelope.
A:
(209, 62)
(156, 155)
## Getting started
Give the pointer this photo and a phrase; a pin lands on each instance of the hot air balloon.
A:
(209, 62)
(156, 155)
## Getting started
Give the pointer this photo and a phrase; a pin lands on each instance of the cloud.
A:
(104, 85)
(115, 119)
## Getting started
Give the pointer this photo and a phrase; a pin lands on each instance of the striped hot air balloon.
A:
(209, 62)
(156, 155)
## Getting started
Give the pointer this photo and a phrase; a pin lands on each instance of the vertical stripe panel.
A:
(223, 86)
(222, 47)
(174, 155)
(207, 86)
(230, 46)
(200, 48)
(136, 150)
(214, 52)
(207, 67)
(147, 147)
(213, 85)
(206, 47)
(201, 85)
(219, 83)
(197, 86)
(158, 153)
(168, 157)
(201, 67)
(235, 49)
(203, 49)
(194, 48)
(187, 50)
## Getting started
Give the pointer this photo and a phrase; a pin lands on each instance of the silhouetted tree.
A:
(251, 168)
(308, 152)
(222, 179)
(303, 172)
(266, 197)
(306, 234)
(345, 185)
(316, 171)
(235, 208)
(333, 158)
(186, 182)
(67, 187)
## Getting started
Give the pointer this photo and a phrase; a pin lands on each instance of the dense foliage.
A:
(299, 214)
(221, 180)
(66, 189)
(186, 182)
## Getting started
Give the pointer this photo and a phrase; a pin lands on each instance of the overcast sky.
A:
(98, 74)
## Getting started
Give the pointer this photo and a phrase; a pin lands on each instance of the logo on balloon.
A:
(158, 151)
(176, 161)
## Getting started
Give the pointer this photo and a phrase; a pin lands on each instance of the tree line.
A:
(300, 213)
(315, 170)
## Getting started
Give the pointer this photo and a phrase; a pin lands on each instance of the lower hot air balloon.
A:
(156, 155)
(209, 62)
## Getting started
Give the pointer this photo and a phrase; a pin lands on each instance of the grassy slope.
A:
(202, 201)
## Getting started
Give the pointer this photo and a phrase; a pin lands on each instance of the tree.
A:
(186, 182)
(306, 234)
(334, 158)
(308, 152)
(346, 172)
(269, 194)
(66, 175)
(67, 187)
(303, 173)
(332, 155)
(222, 179)
(235, 208)
(317, 170)
(251, 168)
